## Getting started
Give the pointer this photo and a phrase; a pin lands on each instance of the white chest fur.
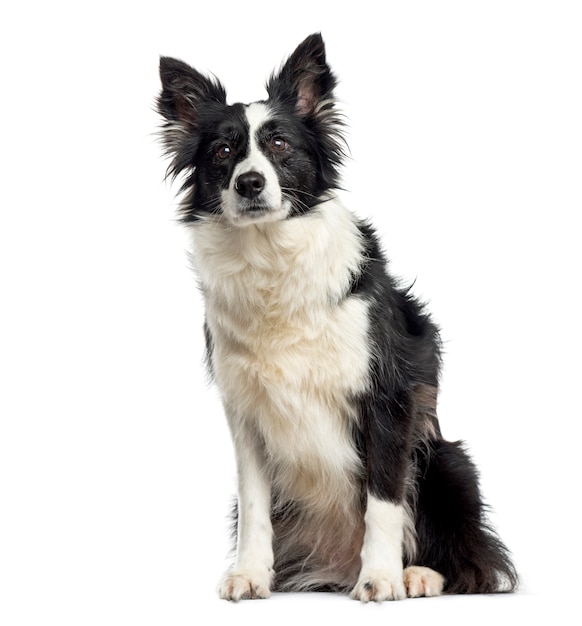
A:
(290, 349)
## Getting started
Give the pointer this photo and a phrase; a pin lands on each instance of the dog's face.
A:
(261, 162)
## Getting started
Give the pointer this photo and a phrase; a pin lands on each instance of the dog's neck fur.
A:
(287, 270)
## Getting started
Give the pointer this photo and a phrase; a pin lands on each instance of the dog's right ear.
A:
(184, 90)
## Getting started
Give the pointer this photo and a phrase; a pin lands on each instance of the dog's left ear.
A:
(305, 79)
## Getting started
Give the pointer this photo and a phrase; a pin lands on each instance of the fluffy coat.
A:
(328, 369)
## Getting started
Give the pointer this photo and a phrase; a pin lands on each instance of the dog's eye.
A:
(278, 144)
(224, 151)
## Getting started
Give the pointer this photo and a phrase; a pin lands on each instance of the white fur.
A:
(289, 352)
(253, 570)
(256, 113)
(381, 576)
(423, 581)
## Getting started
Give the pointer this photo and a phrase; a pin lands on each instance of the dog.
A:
(328, 368)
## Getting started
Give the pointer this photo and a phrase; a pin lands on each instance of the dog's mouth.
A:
(257, 212)
(256, 208)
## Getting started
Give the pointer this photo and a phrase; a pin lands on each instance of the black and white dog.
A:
(328, 370)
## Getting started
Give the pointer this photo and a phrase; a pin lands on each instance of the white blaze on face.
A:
(234, 206)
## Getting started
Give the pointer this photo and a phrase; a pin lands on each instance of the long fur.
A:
(328, 369)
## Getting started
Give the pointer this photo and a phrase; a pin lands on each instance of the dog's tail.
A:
(454, 536)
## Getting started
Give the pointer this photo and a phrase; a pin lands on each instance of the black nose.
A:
(250, 184)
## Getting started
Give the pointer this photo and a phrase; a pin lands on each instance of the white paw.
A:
(423, 581)
(377, 586)
(245, 585)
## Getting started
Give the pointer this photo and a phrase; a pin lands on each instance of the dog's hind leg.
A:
(422, 581)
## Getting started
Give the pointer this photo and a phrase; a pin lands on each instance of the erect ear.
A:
(304, 78)
(184, 90)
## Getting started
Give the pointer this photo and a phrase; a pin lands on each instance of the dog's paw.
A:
(245, 585)
(423, 581)
(379, 586)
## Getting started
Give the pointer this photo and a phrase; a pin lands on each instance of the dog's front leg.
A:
(381, 575)
(387, 449)
(252, 573)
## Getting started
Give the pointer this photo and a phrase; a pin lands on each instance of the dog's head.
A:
(266, 161)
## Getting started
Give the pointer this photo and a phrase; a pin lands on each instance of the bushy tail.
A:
(454, 535)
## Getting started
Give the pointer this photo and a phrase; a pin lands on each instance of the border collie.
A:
(327, 368)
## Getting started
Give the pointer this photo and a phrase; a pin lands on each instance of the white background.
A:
(116, 469)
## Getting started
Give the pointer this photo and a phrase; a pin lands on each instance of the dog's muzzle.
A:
(250, 185)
